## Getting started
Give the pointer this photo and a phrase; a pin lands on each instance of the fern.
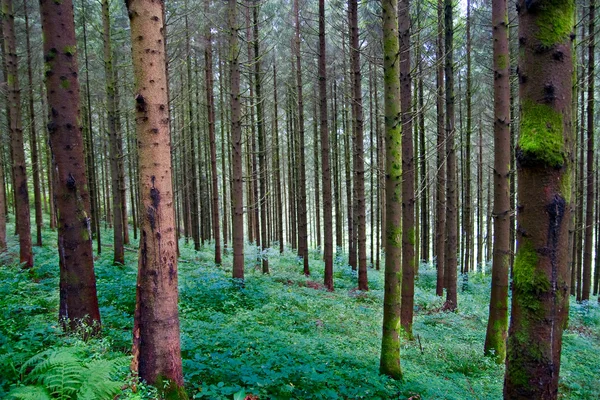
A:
(66, 374)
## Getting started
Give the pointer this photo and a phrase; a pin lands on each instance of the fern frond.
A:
(50, 359)
(99, 383)
(29, 393)
(63, 380)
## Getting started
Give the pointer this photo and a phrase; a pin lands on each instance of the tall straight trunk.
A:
(479, 254)
(193, 132)
(237, 190)
(589, 211)
(262, 148)
(359, 162)
(540, 274)
(372, 169)
(440, 198)
(277, 186)
(468, 217)
(156, 343)
(302, 214)
(78, 299)
(578, 227)
(19, 168)
(121, 161)
(115, 156)
(390, 341)
(2, 206)
(408, 171)
(452, 185)
(379, 140)
(223, 154)
(425, 190)
(35, 164)
(210, 104)
(596, 284)
(317, 174)
(326, 170)
(495, 339)
(337, 187)
(89, 143)
(348, 178)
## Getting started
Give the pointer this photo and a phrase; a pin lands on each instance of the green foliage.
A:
(66, 373)
(541, 136)
(279, 336)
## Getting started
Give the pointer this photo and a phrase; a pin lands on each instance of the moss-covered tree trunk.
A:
(495, 339)
(408, 171)
(78, 299)
(156, 343)
(15, 128)
(589, 211)
(390, 342)
(540, 273)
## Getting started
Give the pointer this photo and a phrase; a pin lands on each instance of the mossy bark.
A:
(541, 278)
(390, 342)
(156, 342)
(78, 299)
(495, 339)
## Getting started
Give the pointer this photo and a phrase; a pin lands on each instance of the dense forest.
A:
(268, 199)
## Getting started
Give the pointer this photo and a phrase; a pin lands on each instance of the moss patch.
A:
(541, 136)
(554, 21)
(528, 281)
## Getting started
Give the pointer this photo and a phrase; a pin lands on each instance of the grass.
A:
(282, 336)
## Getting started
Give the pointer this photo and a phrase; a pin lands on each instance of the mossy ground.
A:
(284, 336)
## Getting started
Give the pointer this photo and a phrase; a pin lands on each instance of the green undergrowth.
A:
(279, 336)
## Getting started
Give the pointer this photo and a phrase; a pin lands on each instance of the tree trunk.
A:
(440, 217)
(408, 171)
(115, 156)
(210, 104)
(78, 299)
(452, 185)
(468, 217)
(156, 344)
(540, 283)
(35, 165)
(390, 341)
(237, 190)
(495, 339)
(359, 162)
(589, 211)
(302, 214)
(16, 136)
(277, 186)
(326, 171)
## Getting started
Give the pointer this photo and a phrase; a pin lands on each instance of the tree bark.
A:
(78, 299)
(237, 190)
(451, 177)
(440, 217)
(19, 167)
(390, 342)
(495, 339)
(540, 273)
(408, 171)
(156, 343)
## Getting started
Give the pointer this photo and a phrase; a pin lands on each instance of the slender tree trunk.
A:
(237, 190)
(210, 104)
(156, 343)
(35, 165)
(379, 178)
(589, 211)
(119, 251)
(302, 214)
(224, 143)
(78, 299)
(278, 187)
(495, 339)
(480, 238)
(337, 189)
(451, 189)
(359, 162)
(440, 228)
(326, 171)
(19, 167)
(390, 341)
(468, 217)
(540, 274)
(408, 171)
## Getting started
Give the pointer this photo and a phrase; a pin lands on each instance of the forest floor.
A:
(282, 336)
